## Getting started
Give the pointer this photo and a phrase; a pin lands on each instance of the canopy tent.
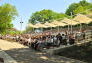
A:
(50, 24)
(77, 20)
(58, 23)
(33, 26)
(69, 21)
(41, 25)
(82, 19)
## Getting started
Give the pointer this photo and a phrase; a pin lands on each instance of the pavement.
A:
(6, 58)
(13, 52)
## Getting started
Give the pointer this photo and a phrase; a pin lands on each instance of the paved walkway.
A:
(6, 57)
(22, 54)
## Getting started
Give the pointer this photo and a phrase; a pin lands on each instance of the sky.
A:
(25, 8)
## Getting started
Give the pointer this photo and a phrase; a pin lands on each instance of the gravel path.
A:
(23, 54)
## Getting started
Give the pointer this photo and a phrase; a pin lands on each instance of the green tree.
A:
(71, 8)
(80, 7)
(84, 3)
(45, 15)
(8, 13)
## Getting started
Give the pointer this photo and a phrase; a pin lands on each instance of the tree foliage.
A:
(80, 7)
(7, 14)
(45, 15)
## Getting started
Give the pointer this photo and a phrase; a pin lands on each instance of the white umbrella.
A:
(50, 25)
(33, 26)
(82, 19)
(39, 25)
(69, 22)
(58, 23)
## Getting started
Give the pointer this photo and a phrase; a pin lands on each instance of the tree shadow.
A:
(27, 55)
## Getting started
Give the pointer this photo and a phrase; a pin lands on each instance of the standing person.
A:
(29, 41)
(64, 39)
(59, 39)
(83, 34)
(17, 38)
(54, 40)
(67, 38)
(71, 39)
(33, 43)
(48, 40)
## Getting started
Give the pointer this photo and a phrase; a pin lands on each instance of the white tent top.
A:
(41, 25)
(50, 24)
(58, 23)
(69, 21)
(82, 19)
(33, 26)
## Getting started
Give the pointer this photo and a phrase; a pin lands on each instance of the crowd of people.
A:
(45, 40)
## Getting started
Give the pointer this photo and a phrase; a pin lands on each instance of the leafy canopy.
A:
(45, 15)
(80, 7)
(7, 14)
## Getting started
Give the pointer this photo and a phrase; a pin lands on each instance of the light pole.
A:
(21, 22)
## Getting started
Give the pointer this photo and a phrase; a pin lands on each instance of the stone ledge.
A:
(6, 58)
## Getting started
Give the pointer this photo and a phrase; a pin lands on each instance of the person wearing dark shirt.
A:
(59, 39)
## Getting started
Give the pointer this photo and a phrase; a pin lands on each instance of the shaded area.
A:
(82, 52)
(2, 60)
(26, 55)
